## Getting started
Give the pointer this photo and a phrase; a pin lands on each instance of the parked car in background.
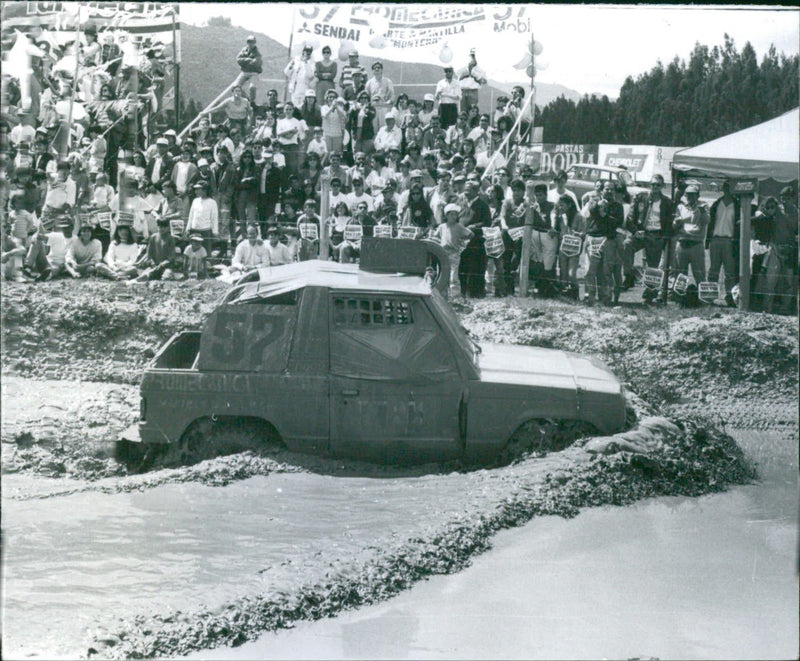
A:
(582, 177)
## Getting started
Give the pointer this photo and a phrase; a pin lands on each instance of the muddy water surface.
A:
(707, 578)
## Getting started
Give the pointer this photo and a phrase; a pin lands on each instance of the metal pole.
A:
(210, 105)
(324, 211)
(176, 74)
(75, 79)
(525, 258)
(744, 254)
(533, 90)
(291, 38)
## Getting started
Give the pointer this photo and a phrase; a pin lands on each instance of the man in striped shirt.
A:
(346, 79)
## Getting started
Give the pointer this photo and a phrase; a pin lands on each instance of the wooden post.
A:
(324, 212)
(525, 258)
(744, 254)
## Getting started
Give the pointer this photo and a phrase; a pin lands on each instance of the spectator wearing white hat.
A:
(381, 87)
(471, 78)
(691, 220)
(389, 135)
(347, 78)
(300, 75)
(334, 121)
(448, 94)
(453, 237)
(427, 111)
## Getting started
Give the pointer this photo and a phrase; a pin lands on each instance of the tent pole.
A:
(744, 254)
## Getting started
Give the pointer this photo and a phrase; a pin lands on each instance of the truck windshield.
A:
(469, 346)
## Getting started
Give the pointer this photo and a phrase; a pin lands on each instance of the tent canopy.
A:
(765, 151)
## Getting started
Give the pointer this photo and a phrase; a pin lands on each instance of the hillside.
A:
(209, 65)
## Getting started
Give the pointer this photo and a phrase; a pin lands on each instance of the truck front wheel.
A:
(538, 437)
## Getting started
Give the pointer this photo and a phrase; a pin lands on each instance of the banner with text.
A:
(547, 159)
(643, 161)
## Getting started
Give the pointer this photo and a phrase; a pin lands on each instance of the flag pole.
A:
(75, 78)
(289, 57)
(176, 74)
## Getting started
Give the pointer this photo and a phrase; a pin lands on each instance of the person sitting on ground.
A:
(159, 262)
(277, 252)
(84, 254)
(250, 254)
(12, 256)
(46, 258)
(122, 256)
(195, 258)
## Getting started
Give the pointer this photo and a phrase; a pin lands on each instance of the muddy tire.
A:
(538, 437)
(207, 438)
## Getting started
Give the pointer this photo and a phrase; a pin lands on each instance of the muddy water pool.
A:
(705, 578)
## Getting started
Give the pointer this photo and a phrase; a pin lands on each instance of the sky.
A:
(590, 49)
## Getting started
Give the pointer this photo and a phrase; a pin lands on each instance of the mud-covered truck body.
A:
(329, 359)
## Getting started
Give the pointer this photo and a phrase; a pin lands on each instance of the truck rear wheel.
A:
(538, 437)
(207, 438)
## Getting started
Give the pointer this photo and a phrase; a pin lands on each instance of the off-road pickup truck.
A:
(330, 359)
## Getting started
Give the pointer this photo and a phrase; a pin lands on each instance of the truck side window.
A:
(371, 311)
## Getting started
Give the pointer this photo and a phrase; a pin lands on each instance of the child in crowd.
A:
(453, 237)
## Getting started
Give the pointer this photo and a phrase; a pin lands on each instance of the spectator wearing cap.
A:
(448, 94)
(389, 135)
(299, 73)
(361, 123)
(471, 78)
(277, 252)
(203, 215)
(442, 195)
(453, 237)
(381, 87)
(335, 169)
(195, 257)
(160, 259)
(325, 73)
(691, 221)
(317, 145)
(481, 135)
(250, 64)
(184, 174)
(346, 82)
(428, 110)
(475, 216)
(334, 121)
(310, 111)
(359, 195)
(159, 168)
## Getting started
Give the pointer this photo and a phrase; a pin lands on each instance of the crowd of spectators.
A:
(133, 200)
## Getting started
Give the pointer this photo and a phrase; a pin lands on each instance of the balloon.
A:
(536, 48)
(344, 48)
(541, 64)
(314, 43)
(378, 42)
(445, 55)
(524, 62)
(529, 71)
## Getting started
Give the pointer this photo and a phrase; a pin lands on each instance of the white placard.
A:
(406, 232)
(681, 284)
(353, 232)
(571, 245)
(104, 219)
(309, 231)
(176, 227)
(653, 278)
(382, 231)
(708, 291)
(596, 246)
(516, 233)
(493, 242)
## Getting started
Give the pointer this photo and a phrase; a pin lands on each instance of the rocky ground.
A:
(73, 353)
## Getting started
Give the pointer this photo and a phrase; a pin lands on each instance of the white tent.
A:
(765, 151)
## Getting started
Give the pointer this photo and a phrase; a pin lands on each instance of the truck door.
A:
(396, 392)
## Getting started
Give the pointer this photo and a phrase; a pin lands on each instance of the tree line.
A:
(718, 91)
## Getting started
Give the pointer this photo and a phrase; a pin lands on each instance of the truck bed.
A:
(180, 352)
